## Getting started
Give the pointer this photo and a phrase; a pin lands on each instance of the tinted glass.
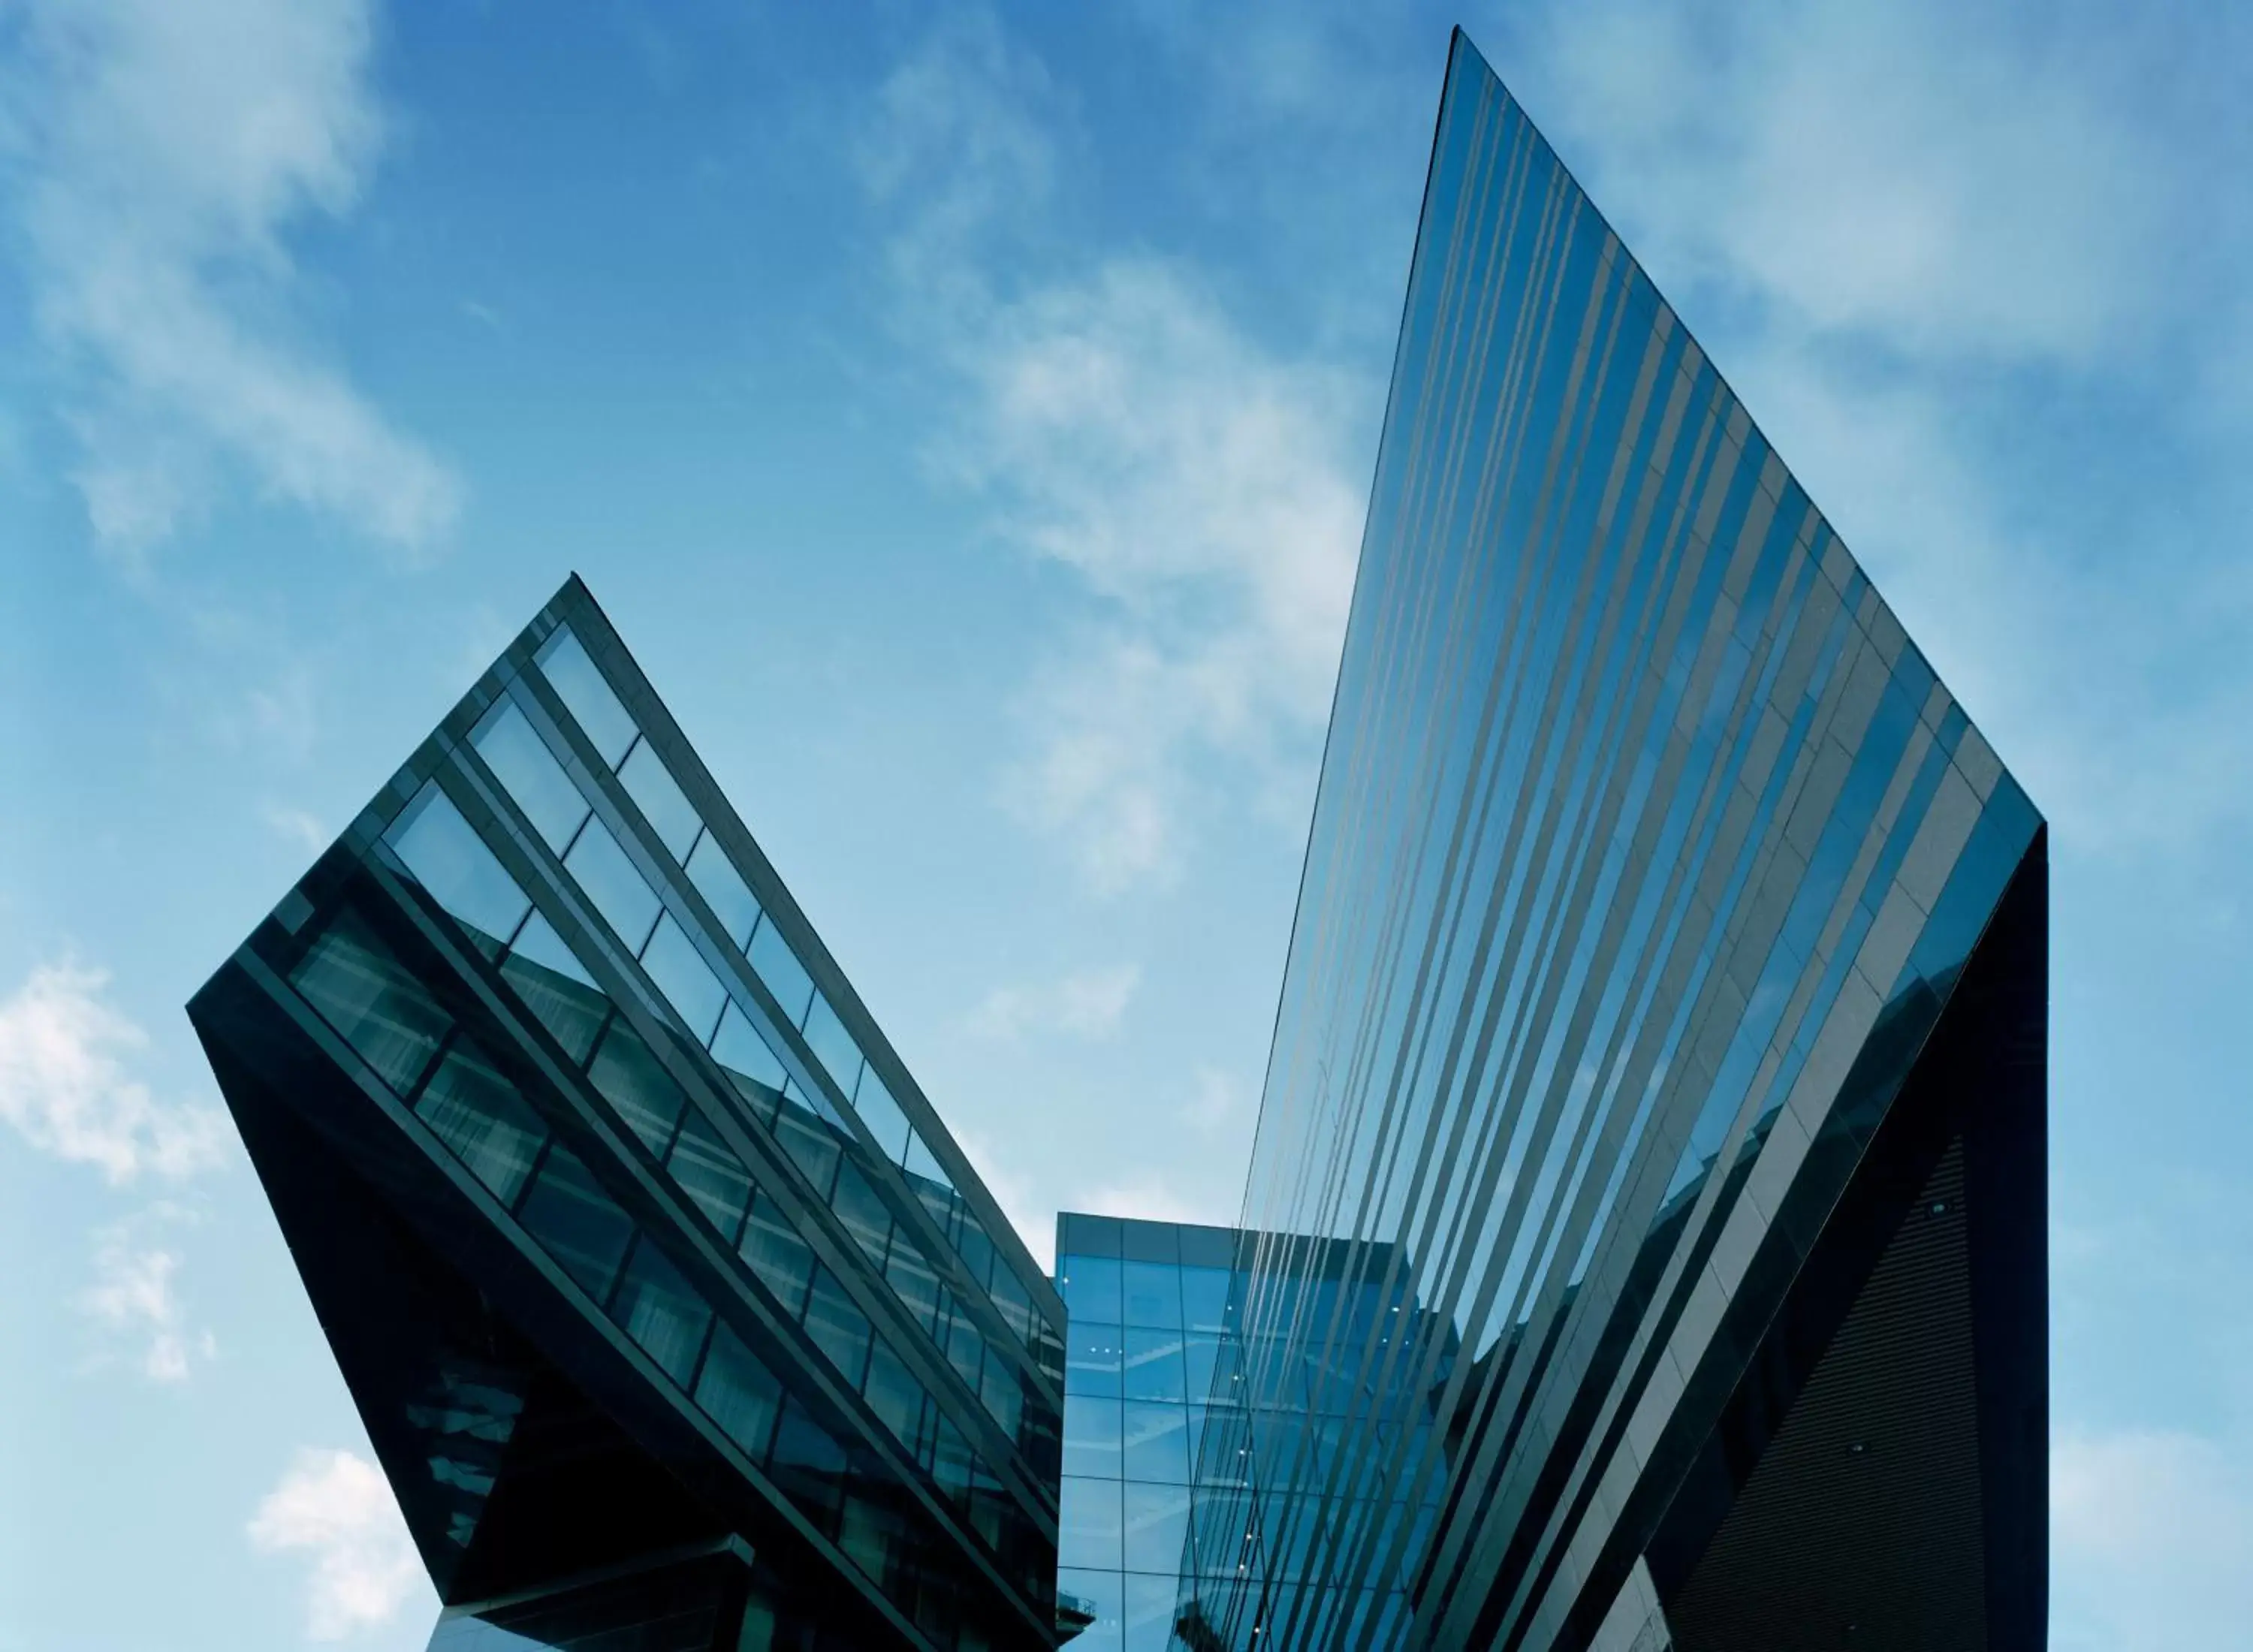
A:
(1152, 1292)
(602, 718)
(882, 1116)
(1093, 1358)
(778, 969)
(375, 1006)
(737, 1391)
(1091, 1523)
(723, 889)
(661, 799)
(435, 844)
(472, 1107)
(708, 1172)
(781, 1260)
(1091, 1288)
(637, 1087)
(837, 1325)
(577, 1222)
(512, 748)
(1093, 1442)
(552, 983)
(613, 883)
(1153, 1368)
(660, 1310)
(743, 1056)
(1156, 1440)
(685, 978)
(833, 1046)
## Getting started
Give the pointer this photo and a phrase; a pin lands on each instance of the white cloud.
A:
(1086, 1004)
(156, 158)
(134, 1294)
(66, 1090)
(297, 828)
(337, 1507)
(1124, 426)
(1215, 1100)
(1151, 1199)
(2150, 1533)
(1914, 171)
(1928, 247)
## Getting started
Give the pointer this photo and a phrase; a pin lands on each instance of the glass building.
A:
(1665, 1014)
(1645, 1239)
(673, 1313)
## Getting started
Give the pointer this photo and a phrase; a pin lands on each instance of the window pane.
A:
(1156, 1444)
(1093, 1358)
(1204, 1298)
(964, 1346)
(484, 1122)
(1154, 1369)
(778, 967)
(779, 1259)
(1089, 1525)
(613, 883)
(641, 1092)
(1201, 1355)
(833, 1046)
(882, 1116)
(923, 1168)
(710, 1172)
(808, 1464)
(838, 1328)
(1153, 1294)
(512, 748)
(751, 1066)
(685, 978)
(893, 1394)
(555, 988)
(1091, 1288)
(811, 1144)
(863, 1212)
(1157, 1526)
(590, 698)
(661, 1311)
(463, 876)
(375, 1006)
(738, 1393)
(951, 1460)
(723, 889)
(663, 804)
(1001, 1392)
(914, 1280)
(575, 1220)
(1149, 1615)
(1092, 1437)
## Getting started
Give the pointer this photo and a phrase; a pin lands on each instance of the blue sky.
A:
(966, 416)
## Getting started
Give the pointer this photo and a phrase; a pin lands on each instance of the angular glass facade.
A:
(627, 1226)
(1665, 1014)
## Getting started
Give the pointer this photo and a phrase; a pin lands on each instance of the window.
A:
(450, 860)
(893, 1394)
(569, 1214)
(512, 748)
(708, 1172)
(637, 1087)
(1089, 1525)
(738, 1393)
(685, 978)
(863, 1212)
(660, 1311)
(837, 1326)
(375, 1006)
(723, 889)
(659, 796)
(1157, 1526)
(471, 1106)
(1152, 1365)
(882, 1116)
(1093, 1358)
(613, 883)
(1091, 1288)
(551, 982)
(1152, 1292)
(925, 1169)
(834, 1047)
(583, 689)
(776, 1256)
(1156, 1443)
(779, 971)
(751, 1066)
(1093, 1442)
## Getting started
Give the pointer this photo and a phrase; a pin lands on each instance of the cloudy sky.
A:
(966, 418)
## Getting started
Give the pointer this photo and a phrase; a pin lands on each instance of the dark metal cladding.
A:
(671, 1308)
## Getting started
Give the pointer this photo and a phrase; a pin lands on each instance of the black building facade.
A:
(668, 1303)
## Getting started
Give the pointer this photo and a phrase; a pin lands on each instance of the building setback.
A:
(666, 1298)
